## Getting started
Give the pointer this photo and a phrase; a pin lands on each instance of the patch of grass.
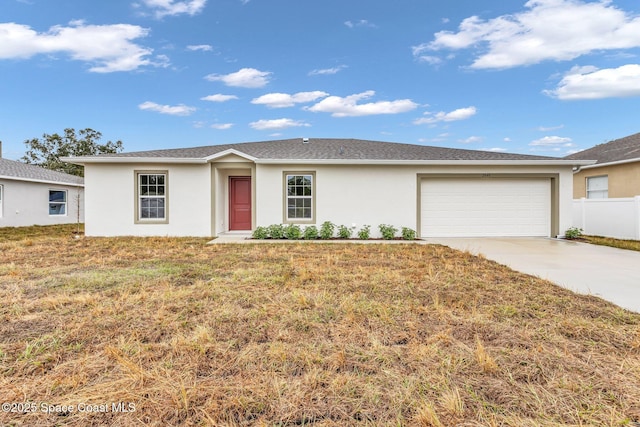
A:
(39, 231)
(632, 245)
(283, 335)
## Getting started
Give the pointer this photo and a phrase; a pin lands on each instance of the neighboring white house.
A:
(31, 195)
(206, 191)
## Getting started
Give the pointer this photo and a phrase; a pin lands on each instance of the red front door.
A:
(239, 203)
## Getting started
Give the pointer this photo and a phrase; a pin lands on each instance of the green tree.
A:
(46, 151)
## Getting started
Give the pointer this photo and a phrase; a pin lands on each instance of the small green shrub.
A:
(310, 232)
(388, 231)
(408, 234)
(260, 233)
(276, 231)
(327, 229)
(573, 233)
(365, 232)
(292, 232)
(345, 232)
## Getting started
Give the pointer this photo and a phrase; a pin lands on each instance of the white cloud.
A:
(277, 124)
(507, 139)
(455, 115)
(429, 59)
(218, 97)
(591, 83)
(495, 149)
(349, 107)
(173, 110)
(360, 23)
(162, 61)
(202, 47)
(552, 142)
(245, 77)
(327, 71)
(559, 30)
(550, 128)
(162, 8)
(439, 138)
(471, 140)
(108, 47)
(282, 100)
(222, 126)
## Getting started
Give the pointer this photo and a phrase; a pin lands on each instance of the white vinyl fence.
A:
(618, 218)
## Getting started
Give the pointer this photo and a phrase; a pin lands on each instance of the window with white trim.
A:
(598, 187)
(57, 202)
(1, 199)
(299, 191)
(152, 196)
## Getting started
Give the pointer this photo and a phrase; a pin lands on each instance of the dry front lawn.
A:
(167, 332)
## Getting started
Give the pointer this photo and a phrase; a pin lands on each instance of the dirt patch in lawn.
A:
(146, 331)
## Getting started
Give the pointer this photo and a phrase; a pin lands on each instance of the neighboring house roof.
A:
(623, 150)
(316, 150)
(10, 169)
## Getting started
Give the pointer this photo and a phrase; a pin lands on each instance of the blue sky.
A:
(546, 77)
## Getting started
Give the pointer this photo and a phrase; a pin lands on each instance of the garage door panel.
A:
(485, 207)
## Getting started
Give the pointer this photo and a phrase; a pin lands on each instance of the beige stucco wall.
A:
(110, 200)
(624, 180)
(27, 203)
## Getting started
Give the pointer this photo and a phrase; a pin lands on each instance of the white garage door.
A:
(474, 207)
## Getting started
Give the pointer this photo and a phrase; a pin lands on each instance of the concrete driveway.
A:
(612, 274)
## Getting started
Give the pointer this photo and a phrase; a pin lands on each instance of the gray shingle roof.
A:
(18, 170)
(626, 148)
(324, 148)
